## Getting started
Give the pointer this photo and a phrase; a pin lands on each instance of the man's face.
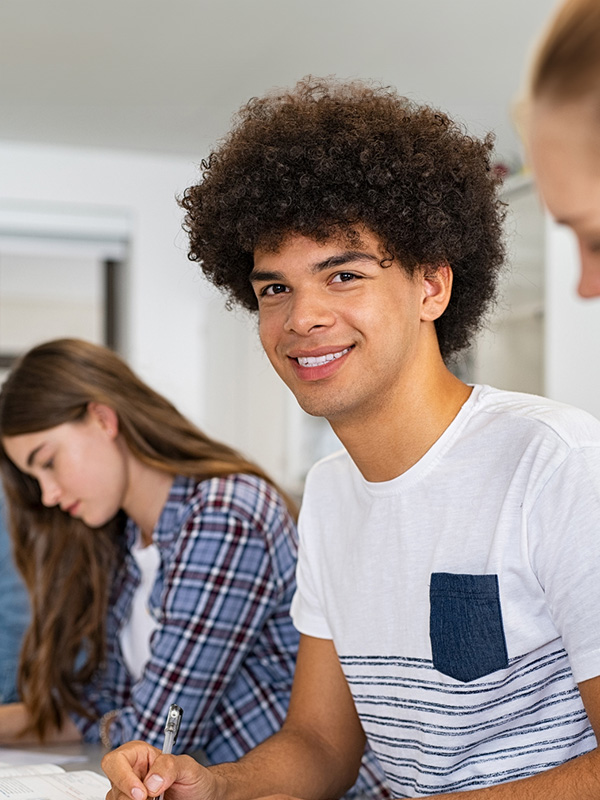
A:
(341, 331)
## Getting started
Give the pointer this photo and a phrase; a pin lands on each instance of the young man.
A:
(448, 594)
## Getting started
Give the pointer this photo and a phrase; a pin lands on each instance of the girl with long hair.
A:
(159, 564)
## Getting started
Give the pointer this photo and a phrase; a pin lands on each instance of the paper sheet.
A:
(83, 785)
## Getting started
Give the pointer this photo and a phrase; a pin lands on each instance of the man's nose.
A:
(308, 310)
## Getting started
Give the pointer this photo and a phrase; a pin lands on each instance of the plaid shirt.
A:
(225, 647)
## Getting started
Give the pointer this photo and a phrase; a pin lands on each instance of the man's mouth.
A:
(318, 361)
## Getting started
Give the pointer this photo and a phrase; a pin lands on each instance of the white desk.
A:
(81, 755)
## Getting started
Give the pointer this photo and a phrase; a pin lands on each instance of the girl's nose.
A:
(50, 493)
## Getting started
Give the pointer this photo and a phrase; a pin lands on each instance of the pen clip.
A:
(173, 720)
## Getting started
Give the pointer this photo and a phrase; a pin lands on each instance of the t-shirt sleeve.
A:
(564, 540)
(306, 609)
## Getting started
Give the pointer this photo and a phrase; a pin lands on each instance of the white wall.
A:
(177, 333)
(572, 327)
(49, 297)
(246, 402)
(164, 297)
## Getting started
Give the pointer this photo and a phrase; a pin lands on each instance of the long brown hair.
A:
(67, 566)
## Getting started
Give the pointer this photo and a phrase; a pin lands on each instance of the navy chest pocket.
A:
(465, 625)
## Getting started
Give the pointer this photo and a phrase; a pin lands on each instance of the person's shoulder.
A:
(574, 426)
(244, 501)
(335, 466)
(238, 491)
(240, 512)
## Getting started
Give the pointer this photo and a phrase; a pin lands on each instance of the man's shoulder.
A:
(574, 426)
(336, 463)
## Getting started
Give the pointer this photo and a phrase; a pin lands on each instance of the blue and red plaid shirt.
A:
(225, 646)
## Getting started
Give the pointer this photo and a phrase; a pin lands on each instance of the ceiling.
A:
(166, 76)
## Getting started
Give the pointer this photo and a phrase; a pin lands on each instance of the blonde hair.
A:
(566, 63)
(66, 566)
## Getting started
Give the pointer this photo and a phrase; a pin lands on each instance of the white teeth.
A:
(310, 361)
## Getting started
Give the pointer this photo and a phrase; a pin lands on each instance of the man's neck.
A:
(395, 435)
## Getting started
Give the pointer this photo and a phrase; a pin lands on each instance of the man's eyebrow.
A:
(33, 454)
(347, 257)
(338, 260)
(266, 275)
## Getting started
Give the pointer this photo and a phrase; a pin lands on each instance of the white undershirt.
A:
(135, 634)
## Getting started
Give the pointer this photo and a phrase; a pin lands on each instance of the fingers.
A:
(115, 794)
(181, 775)
(138, 771)
(126, 767)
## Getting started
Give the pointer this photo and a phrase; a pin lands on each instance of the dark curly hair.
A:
(326, 159)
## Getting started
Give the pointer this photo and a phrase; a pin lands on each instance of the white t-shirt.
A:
(463, 597)
(136, 633)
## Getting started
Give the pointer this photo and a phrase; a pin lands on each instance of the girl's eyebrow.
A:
(338, 260)
(33, 454)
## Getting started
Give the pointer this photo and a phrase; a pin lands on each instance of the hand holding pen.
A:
(131, 769)
(171, 730)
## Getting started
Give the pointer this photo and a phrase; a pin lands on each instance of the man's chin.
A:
(328, 410)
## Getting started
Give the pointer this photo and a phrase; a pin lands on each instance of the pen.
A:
(172, 724)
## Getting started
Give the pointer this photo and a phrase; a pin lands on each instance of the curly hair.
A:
(328, 158)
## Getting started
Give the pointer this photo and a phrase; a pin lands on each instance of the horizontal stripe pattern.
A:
(433, 734)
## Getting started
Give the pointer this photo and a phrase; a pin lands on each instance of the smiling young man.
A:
(448, 598)
(325, 311)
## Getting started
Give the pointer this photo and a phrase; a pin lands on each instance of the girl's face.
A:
(80, 466)
(564, 146)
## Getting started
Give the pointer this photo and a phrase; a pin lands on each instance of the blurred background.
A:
(106, 110)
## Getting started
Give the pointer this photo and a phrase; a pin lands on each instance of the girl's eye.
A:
(48, 464)
(273, 288)
(344, 277)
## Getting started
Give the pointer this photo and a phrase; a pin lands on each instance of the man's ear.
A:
(437, 289)
(106, 417)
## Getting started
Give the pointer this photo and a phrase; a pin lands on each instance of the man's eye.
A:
(273, 288)
(344, 277)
